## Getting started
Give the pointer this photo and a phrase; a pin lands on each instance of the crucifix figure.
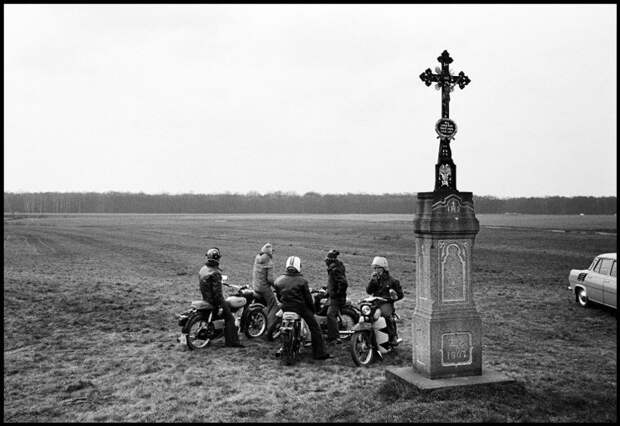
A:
(445, 169)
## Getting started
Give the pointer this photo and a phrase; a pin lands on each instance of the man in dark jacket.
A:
(381, 284)
(294, 294)
(337, 292)
(210, 281)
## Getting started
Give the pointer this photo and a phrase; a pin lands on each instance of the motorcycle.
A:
(201, 324)
(347, 318)
(293, 332)
(370, 339)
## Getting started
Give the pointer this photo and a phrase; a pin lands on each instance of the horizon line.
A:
(290, 193)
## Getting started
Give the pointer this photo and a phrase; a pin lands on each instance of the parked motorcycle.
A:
(201, 324)
(293, 333)
(348, 317)
(370, 339)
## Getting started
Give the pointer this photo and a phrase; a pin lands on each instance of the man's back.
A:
(210, 282)
(293, 292)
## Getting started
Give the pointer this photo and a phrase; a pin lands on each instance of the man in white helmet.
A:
(381, 284)
(294, 294)
(262, 281)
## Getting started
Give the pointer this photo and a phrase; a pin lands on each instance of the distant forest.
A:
(283, 202)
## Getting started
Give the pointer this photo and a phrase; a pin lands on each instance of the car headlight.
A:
(366, 310)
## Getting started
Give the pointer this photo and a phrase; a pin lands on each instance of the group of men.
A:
(293, 293)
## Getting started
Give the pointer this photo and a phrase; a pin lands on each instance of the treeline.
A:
(282, 202)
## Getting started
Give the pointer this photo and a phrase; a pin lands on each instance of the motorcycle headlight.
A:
(366, 310)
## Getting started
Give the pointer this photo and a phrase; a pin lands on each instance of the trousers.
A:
(387, 309)
(318, 345)
(335, 304)
(231, 336)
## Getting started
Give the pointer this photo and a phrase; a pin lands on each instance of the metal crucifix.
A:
(445, 169)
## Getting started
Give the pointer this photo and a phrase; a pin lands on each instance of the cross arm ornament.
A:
(428, 77)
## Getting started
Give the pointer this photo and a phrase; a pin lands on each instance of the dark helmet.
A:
(332, 255)
(213, 255)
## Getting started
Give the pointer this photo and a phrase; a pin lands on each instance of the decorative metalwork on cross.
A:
(445, 169)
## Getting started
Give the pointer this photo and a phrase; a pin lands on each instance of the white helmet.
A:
(380, 261)
(293, 263)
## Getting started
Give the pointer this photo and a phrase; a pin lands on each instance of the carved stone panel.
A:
(453, 270)
(456, 349)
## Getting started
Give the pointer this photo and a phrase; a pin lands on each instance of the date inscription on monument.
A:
(456, 349)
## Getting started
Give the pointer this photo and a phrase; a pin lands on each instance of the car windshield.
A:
(593, 264)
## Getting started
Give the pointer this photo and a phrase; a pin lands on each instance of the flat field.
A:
(90, 332)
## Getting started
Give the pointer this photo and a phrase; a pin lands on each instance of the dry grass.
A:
(89, 328)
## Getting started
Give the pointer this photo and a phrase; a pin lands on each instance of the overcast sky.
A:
(325, 98)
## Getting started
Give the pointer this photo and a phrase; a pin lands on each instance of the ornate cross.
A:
(445, 169)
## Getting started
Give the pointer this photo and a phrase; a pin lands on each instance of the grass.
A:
(90, 333)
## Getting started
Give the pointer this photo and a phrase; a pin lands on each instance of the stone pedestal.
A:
(447, 329)
(447, 336)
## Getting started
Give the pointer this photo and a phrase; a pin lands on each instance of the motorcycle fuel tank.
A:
(236, 301)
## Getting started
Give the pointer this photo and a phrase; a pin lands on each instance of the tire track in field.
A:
(31, 246)
(575, 231)
(117, 247)
(50, 249)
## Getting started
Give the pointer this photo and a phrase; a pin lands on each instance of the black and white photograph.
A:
(310, 213)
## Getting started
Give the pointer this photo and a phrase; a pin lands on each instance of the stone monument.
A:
(447, 329)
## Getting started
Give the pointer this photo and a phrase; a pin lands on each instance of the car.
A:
(597, 283)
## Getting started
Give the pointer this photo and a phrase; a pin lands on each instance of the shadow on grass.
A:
(502, 402)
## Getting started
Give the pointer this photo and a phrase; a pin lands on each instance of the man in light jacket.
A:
(262, 282)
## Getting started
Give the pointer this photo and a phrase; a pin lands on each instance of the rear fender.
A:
(257, 305)
(206, 316)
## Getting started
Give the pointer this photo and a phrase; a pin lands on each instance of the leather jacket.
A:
(210, 282)
(293, 292)
(380, 287)
(337, 280)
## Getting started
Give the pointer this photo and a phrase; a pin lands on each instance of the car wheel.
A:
(581, 297)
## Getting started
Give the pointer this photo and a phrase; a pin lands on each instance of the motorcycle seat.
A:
(290, 316)
(201, 304)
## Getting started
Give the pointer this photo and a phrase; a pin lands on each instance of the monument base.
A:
(410, 377)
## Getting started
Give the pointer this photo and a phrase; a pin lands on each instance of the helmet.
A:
(332, 254)
(214, 254)
(380, 261)
(293, 264)
(267, 248)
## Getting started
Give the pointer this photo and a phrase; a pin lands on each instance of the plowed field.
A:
(90, 332)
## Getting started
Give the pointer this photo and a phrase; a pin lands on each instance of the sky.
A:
(297, 98)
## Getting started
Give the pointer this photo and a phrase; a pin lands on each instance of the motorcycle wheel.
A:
(257, 323)
(197, 332)
(361, 348)
(288, 356)
(347, 320)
